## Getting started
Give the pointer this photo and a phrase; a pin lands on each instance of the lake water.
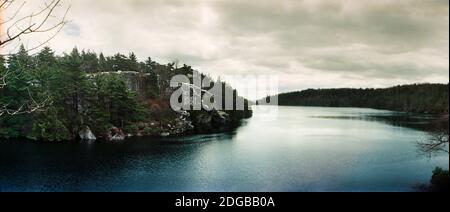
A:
(301, 149)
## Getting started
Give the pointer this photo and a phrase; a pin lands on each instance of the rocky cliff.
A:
(164, 121)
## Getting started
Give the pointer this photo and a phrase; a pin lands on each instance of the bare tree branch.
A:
(3, 6)
(438, 142)
(18, 27)
(3, 79)
(37, 22)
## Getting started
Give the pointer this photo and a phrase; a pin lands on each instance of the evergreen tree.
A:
(90, 62)
(133, 64)
(103, 66)
(15, 95)
(421, 98)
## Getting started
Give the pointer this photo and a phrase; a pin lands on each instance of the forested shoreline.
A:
(416, 98)
(84, 95)
(76, 95)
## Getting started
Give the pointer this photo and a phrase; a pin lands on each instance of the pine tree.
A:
(90, 62)
(15, 95)
(103, 67)
(133, 64)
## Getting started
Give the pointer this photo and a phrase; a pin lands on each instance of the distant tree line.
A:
(418, 98)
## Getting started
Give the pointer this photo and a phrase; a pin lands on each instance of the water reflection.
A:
(304, 149)
(413, 121)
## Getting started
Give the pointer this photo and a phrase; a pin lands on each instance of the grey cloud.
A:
(365, 42)
(369, 68)
(72, 29)
(388, 29)
(395, 24)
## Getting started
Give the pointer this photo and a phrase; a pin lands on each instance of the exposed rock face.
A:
(183, 124)
(211, 121)
(116, 134)
(221, 117)
(86, 134)
(180, 125)
(138, 83)
(168, 122)
(165, 134)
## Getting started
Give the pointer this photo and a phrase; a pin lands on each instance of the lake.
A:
(298, 149)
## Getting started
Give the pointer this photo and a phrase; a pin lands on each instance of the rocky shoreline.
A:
(186, 123)
(165, 122)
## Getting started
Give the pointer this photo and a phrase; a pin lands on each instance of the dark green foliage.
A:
(12, 127)
(21, 83)
(440, 180)
(78, 96)
(419, 98)
(85, 90)
(90, 62)
(48, 126)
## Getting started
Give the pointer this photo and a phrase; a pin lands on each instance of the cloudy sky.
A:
(307, 43)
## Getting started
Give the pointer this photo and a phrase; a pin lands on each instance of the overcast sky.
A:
(308, 43)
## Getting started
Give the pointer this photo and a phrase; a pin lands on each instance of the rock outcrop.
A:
(166, 121)
(116, 134)
(211, 121)
(86, 134)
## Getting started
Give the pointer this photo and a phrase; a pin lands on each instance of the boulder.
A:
(221, 117)
(165, 134)
(86, 134)
(116, 134)
(204, 119)
(211, 121)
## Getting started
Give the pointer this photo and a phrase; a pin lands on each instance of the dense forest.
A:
(85, 95)
(418, 98)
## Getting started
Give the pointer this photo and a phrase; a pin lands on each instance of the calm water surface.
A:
(302, 149)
